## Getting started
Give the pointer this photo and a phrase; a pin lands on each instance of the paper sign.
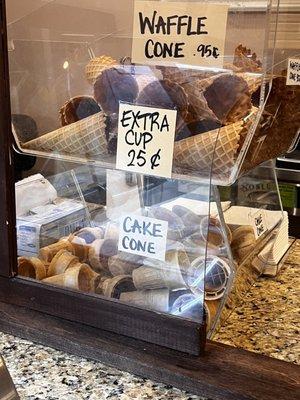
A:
(146, 140)
(143, 236)
(293, 72)
(182, 32)
(258, 221)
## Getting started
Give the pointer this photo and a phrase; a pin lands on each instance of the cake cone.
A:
(124, 263)
(31, 268)
(96, 66)
(81, 251)
(82, 138)
(216, 148)
(157, 300)
(47, 253)
(211, 310)
(61, 262)
(113, 287)
(79, 277)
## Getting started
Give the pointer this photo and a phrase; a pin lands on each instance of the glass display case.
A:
(124, 119)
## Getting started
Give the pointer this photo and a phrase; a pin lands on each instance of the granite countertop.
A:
(265, 323)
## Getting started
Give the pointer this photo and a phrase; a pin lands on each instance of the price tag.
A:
(143, 236)
(146, 140)
(182, 32)
(293, 72)
(258, 221)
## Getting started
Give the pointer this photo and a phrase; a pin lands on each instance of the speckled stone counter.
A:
(267, 322)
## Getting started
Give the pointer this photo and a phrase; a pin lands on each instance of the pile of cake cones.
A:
(89, 261)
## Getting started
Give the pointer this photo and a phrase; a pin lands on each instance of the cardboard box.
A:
(46, 224)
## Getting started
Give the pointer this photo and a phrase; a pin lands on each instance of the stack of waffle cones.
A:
(82, 138)
(96, 66)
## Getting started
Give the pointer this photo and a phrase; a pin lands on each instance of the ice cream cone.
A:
(113, 287)
(124, 263)
(243, 242)
(79, 277)
(184, 75)
(157, 300)
(81, 250)
(157, 275)
(209, 274)
(254, 81)
(198, 107)
(61, 262)
(82, 138)
(144, 80)
(78, 108)
(47, 253)
(96, 66)
(246, 60)
(211, 310)
(213, 151)
(31, 268)
(100, 252)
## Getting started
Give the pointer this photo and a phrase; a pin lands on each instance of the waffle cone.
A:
(183, 75)
(31, 268)
(96, 66)
(211, 151)
(197, 102)
(144, 80)
(254, 81)
(83, 138)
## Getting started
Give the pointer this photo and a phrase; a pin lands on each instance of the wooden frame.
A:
(100, 328)
(96, 311)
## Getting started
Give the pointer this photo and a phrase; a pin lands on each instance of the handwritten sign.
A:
(143, 236)
(182, 32)
(146, 140)
(293, 72)
(258, 221)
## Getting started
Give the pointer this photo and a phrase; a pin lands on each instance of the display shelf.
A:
(120, 223)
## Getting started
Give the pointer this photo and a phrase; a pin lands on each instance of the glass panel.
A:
(134, 238)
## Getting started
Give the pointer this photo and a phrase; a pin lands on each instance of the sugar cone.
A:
(217, 148)
(96, 66)
(31, 268)
(47, 253)
(61, 262)
(83, 138)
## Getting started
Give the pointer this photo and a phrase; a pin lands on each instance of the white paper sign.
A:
(143, 236)
(258, 221)
(293, 72)
(146, 140)
(182, 32)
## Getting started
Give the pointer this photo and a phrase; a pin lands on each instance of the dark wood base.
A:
(222, 373)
